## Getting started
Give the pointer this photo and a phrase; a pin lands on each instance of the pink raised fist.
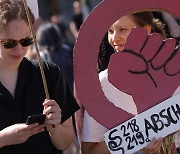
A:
(148, 68)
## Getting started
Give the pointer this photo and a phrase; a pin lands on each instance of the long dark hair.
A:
(105, 52)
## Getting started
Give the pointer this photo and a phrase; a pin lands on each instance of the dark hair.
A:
(49, 37)
(12, 10)
(147, 18)
(141, 19)
(105, 52)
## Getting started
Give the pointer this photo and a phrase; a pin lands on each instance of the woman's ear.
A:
(148, 28)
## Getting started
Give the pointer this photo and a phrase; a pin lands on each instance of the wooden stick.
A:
(37, 50)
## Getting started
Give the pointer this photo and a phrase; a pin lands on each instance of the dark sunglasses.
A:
(9, 43)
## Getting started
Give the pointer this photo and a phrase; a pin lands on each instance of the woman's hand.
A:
(153, 147)
(53, 115)
(19, 133)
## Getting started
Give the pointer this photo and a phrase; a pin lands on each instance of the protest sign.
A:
(134, 134)
(86, 52)
(166, 64)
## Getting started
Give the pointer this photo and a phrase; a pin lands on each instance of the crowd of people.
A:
(22, 90)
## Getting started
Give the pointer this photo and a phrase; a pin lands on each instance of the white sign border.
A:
(118, 132)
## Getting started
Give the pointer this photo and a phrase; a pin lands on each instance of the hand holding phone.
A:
(40, 119)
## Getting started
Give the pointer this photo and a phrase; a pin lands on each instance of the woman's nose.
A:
(116, 36)
(18, 48)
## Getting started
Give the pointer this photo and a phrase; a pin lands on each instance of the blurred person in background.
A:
(51, 45)
(53, 48)
(77, 19)
(67, 37)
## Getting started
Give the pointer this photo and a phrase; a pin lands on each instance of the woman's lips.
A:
(16, 56)
(117, 47)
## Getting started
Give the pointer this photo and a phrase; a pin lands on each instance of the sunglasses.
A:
(9, 43)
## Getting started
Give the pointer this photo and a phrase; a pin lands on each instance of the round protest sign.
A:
(85, 62)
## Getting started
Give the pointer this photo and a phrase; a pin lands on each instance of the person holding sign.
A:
(22, 92)
(92, 133)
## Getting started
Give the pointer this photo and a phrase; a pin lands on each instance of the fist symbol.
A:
(148, 69)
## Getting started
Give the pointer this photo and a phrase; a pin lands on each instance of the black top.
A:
(28, 99)
(63, 57)
(78, 20)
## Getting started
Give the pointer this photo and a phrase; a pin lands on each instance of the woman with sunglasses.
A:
(22, 93)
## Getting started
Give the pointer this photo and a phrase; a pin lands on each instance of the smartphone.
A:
(39, 118)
